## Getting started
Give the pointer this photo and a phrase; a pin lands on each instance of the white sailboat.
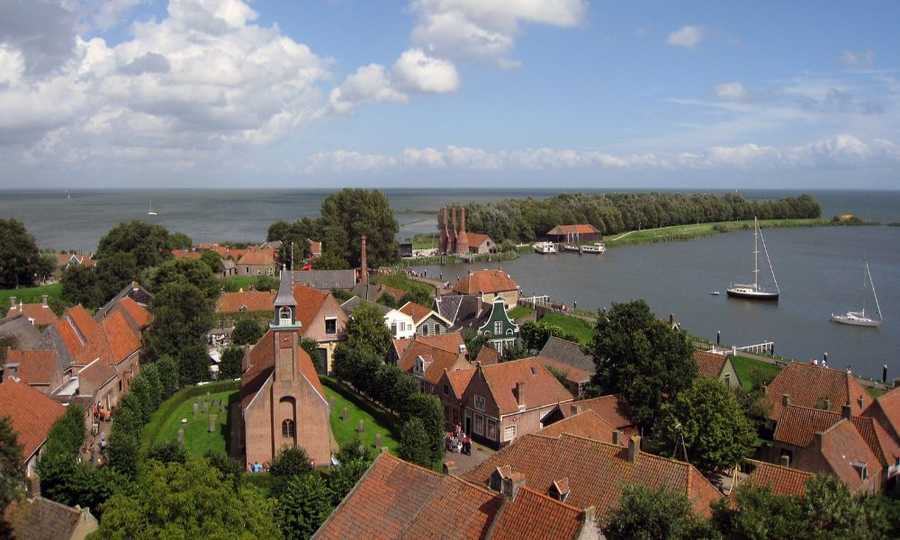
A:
(859, 318)
(753, 291)
(544, 248)
(151, 211)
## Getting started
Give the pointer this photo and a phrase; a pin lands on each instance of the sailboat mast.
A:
(755, 255)
(872, 283)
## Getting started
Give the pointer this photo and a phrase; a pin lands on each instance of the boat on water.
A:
(859, 318)
(754, 291)
(151, 211)
(714, 293)
(572, 247)
(598, 248)
(544, 248)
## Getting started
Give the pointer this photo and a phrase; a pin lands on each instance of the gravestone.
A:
(378, 440)
(181, 437)
(344, 414)
(360, 427)
(196, 408)
(212, 422)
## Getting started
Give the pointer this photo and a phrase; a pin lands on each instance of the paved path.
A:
(621, 236)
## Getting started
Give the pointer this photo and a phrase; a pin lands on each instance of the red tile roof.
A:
(439, 360)
(416, 311)
(586, 424)
(82, 336)
(258, 257)
(309, 302)
(487, 355)
(888, 405)
(842, 447)
(580, 228)
(809, 386)
(41, 315)
(123, 340)
(31, 413)
(445, 342)
(396, 499)
(249, 301)
(597, 472)
(798, 427)
(137, 312)
(475, 239)
(186, 254)
(611, 408)
(485, 281)
(709, 364)
(541, 387)
(459, 380)
(261, 363)
(780, 480)
(573, 374)
(36, 367)
(95, 375)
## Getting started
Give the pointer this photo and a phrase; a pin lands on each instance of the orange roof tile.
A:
(809, 386)
(888, 405)
(459, 380)
(611, 408)
(95, 375)
(541, 387)
(842, 447)
(438, 360)
(780, 480)
(31, 413)
(485, 281)
(535, 516)
(261, 363)
(416, 311)
(41, 315)
(445, 342)
(580, 228)
(487, 355)
(123, 340)
(573, 374)
(798, 427)
(258, 257)
(249, 301)
(309, 302)
(82, 336)
(186, 254)
(709, 364)
(137, 312)
(36, 367)
(597, 472)
(476, 239)
(584, 424)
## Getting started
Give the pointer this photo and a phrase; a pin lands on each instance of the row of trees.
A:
(359, 361)
(524, 220)
(345, 217)
(827, 510)
(21, 263)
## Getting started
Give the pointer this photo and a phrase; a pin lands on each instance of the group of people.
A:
(459, 441)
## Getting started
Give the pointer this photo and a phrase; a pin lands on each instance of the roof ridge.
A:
(815, 409)
(555, 501)
(789, 469)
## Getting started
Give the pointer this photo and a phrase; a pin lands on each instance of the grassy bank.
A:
(570, 325)
(165, 422)
(699, 230)
(31, 295)
(750, 370)
(520, 312)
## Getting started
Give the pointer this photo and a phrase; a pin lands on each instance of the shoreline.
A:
(702, 230)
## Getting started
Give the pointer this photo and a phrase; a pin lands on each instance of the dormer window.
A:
(862, 469)
(284, 316)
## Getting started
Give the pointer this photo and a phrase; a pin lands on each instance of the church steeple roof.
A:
(285, 296)
(285, 304)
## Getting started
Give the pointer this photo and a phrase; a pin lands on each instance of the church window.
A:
(288, 429)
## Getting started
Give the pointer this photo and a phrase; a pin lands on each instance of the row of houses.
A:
(73, 358)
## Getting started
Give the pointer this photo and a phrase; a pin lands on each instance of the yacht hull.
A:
(855, 321)
(763, 296)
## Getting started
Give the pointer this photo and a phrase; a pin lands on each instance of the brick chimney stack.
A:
(634, 447)
(511, 485)
(520, 394)
(442, 227)
(462, 242)
(453, 231)
(363, 262)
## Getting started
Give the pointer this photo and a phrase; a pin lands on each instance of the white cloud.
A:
(367, 84)
(858, 58)
(838, 150)
(486, 29)
(731, 90)
(420, 72)
(686, 36)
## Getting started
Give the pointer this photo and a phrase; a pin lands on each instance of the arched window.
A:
(288, 429)
(284, 315)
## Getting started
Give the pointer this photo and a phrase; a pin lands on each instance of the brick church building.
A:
(282, 403)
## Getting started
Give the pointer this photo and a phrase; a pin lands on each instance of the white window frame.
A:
(509, 433)
(493, 433)
(327, 319)
(498, 328)
(475, 427)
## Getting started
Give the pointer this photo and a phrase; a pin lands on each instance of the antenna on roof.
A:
(292, 255)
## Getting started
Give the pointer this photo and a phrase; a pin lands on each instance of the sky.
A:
(449, 93)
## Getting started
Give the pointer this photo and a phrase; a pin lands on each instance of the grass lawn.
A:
(400, 280)
(687, 232)
(166, 422)
(236, 283)
(31, 295)
(571, 325)
(345, 430)
(520, 312)
(874, 391)
(745, 367)
(424, 241)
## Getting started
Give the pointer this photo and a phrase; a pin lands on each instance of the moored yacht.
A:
(753, 291)
(859, 318)
(544, 248)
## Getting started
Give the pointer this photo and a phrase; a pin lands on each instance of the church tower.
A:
(285, 327)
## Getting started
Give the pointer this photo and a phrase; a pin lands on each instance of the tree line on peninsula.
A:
(525, 220)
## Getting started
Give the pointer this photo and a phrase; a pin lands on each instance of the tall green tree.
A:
(428, 409)
(247, 331)
(830, 511)
(415, 443)
(19, 256)
(114, 272)
(646, 514)
(641, 358)
(80, 285)
(149, 244)
(755, 513)
(12, 472)
(366, 328)
(188, 500)
(193, 271)
(179, 240)
(182, 315)
(351, 213)
(230, 368)
(214, 261)
(706, 423)
(303, 505)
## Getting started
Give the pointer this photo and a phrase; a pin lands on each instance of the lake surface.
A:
(820, 271)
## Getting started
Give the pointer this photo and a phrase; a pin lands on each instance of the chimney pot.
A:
(861, 401)
(616, 437)
(845, 411)
(363, 261)
(827, 404)
(520, 394)
(575, 409)
(785, 399)
(819, 440)
(634, 447)
(785, 460)
(511, 485)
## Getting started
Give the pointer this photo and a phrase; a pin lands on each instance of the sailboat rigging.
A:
(151, 211)
(754, 291)
(859, 318)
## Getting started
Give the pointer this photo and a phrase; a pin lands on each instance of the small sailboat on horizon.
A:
(859, 318)
(151, 211)
(753, 291)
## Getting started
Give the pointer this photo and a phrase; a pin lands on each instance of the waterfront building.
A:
(499, 329)
(488, 285)
(574, 234)
(716, 366)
